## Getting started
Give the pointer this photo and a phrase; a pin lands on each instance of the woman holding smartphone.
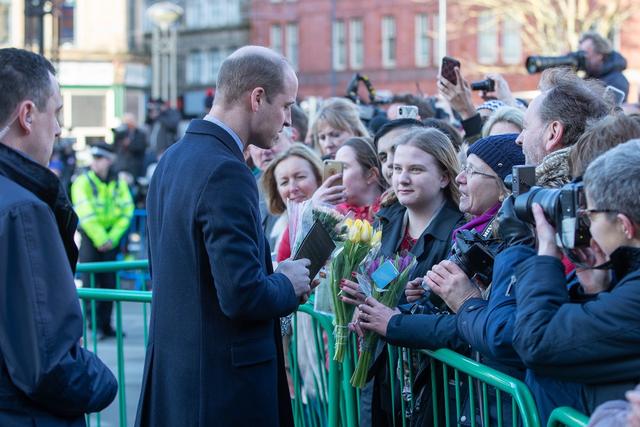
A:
(361, 178)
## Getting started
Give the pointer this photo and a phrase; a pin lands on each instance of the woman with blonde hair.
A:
(421, 221)
(337, 120)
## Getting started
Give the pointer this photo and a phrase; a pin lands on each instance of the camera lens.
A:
(487, 85)
(548, 199)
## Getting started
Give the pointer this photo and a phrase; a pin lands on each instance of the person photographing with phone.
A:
(361, 178)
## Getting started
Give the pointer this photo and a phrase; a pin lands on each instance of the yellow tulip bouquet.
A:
(360, 239)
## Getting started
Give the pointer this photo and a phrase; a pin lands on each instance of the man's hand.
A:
(511, 229)
(106, 247)
(451, 284)
(374, 316)
(592, 281)
(298, 274)
(546, 234)
(414, 290)
(330, 193)
(458, 95)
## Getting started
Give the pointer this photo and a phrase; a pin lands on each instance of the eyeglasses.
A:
(585, 214)
(469, 171)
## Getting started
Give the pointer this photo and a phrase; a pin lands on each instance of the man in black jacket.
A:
(603, 63)
(46, 377)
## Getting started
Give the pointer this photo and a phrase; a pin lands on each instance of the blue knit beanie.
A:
(500, 152)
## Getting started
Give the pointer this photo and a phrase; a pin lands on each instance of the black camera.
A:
(560, 206)
(537, 64)
(486, 85)
(473, 255)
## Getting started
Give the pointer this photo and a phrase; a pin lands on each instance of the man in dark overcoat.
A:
(215, 352)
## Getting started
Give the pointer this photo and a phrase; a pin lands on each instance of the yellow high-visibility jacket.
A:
(105, 209)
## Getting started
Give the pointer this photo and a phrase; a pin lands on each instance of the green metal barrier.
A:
(323, 395)
(461, 390)
(118, 296)
(314, 373)
(569, 417)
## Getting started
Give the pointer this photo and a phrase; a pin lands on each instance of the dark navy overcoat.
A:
(215, 353)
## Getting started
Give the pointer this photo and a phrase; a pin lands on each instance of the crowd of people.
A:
(558, 309)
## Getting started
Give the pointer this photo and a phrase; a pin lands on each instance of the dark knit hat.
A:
(500, 152)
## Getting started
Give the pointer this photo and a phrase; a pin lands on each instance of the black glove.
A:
(511, 229)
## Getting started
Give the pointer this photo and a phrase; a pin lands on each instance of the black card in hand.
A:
(316, 247)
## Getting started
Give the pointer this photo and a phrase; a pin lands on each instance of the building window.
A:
(194, 67)
(435, 40)
(487, 38)
(5, 21)
(511, 42)
(356, 44)
(216, 56)
(67, 22)
(388, 42)
(292, 44)
(194, 13)
(339, 46)
(275, 38)
(422, 40)
(88, 111)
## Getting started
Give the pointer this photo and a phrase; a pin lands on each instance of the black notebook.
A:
(316, 247)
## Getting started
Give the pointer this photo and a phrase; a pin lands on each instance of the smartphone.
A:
(330, 168)
(614, 95)
(447, 69)
(408, 112)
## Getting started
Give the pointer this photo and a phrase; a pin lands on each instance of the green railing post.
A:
(569, 417)
(90, 295)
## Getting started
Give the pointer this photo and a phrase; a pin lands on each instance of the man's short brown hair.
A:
(571, 101)
(241, 73)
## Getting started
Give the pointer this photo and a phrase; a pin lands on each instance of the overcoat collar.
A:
(205, 127)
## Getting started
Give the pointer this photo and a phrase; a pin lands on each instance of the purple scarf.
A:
(480, 222)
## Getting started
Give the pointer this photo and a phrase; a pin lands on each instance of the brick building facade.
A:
(395, 43)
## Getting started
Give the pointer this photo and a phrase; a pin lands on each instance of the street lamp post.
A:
(164, 50)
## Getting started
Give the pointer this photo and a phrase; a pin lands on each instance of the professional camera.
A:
(560, 206)
(473, 255)
(487, 85)
(537, 64)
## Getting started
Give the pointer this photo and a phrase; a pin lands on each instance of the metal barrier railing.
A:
(90, 338)
(569, 417)
(479, 379)
(314, 373)
(324, 396)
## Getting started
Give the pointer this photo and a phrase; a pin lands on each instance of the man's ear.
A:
(629, 229)
(26, 111)
(553, 136)
(258, 97)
